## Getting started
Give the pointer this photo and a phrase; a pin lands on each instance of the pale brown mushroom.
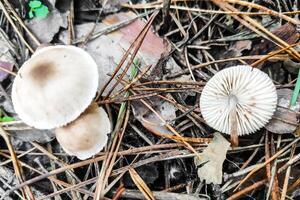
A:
(87, 135)
(54, 86)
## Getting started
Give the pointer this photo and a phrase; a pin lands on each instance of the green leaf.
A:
(41, 12)
(296, 91)
(7, 119)
(35, 4)
(30, 14)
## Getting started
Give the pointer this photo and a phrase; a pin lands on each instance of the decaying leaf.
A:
(33, 135)
(45, 29)
(107, 50)
(7, 60)
(149, 119)
(112, 6)
(286, 32)
(212, 160)
(292, 66)
(238, 47)
(284, 119)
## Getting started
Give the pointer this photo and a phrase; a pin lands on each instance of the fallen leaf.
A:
(291, 66)
(212, 160)
(7, 60)
(45, 29)
(108, 50)
(286, 32)
(5, 65)
(149, 119)
(237, 48)
(284, 119)
(112, 6)
(33, 135)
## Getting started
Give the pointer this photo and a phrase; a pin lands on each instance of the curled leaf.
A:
(211, 164)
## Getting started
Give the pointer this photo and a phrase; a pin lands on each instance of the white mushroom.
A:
(87, 135)
(241, 95)
(54, 86)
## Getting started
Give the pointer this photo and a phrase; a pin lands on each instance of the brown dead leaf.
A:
(149, 120)
(108, 50)
(286, 32)
(284, 119)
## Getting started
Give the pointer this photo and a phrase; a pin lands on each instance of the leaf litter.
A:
(174, 58)
(210, 167)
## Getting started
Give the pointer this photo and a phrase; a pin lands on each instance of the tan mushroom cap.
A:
(247, 91)
(87, 135)
(54, 86)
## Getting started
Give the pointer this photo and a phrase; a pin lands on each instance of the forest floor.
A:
(160, 146)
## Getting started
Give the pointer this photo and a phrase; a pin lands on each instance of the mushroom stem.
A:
(234, 139)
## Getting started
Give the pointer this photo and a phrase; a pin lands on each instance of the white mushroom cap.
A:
(87, 135)
(54, 86)
(247, 91)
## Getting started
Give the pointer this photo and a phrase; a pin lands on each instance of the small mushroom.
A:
(87, 135)
(240, 98)
(54, 86)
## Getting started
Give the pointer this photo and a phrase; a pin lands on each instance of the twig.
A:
(268, 161)
(247, 189)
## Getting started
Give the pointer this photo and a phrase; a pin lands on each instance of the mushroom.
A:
(87, 135)
(54, 86)
(238, 99)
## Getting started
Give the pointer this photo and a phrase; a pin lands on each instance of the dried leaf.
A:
(212, 160)
(112, 6)
(33, 135)
(286, 32)
(108, 50)
(45, 29)
(238, 47)
(149, 119)
(284, 119)
(7, 60)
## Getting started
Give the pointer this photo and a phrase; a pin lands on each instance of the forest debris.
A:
(237, 48)
(149, 173)
(149, 119)
(139, 182)
(285, 118)
(291, 66)
(46, 29)
(33, 135)
(213, 157)
(11, 179)
(134, 194)
(7, 60)
(112, 6)
(286, 32)
(107, 50)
